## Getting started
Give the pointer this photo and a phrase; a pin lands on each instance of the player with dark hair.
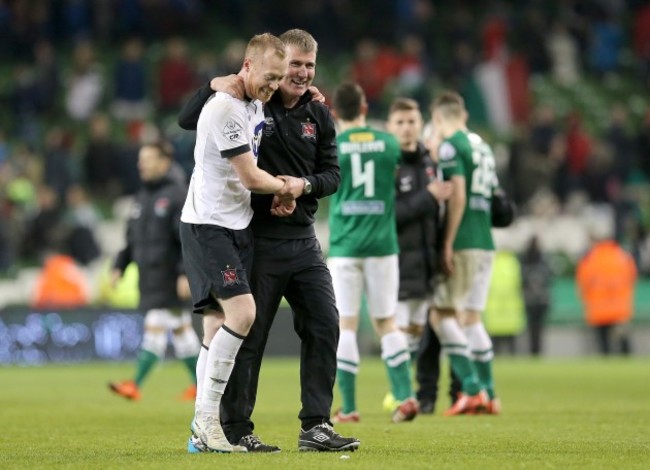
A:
(363, 252)
(153, 244)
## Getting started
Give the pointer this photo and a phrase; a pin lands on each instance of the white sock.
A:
(480, 343)
(347, 353)
(395, 348)
(220, 362)
(452, 337)
(413, 342)
(200, 375)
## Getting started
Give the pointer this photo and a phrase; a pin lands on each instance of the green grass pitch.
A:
(578, 413)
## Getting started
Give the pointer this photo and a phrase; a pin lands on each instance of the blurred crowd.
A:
(85, 83)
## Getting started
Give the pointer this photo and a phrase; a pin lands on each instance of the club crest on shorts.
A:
(230, 277)
(309, 130)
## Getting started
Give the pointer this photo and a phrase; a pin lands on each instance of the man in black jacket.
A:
(153, 243)
(298, 140)
(419, 194)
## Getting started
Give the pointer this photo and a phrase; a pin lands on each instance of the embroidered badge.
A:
(230, 277)
(309, 130)
(269, 126)
(161, 207)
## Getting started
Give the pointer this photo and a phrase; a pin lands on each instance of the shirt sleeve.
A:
(229, 125)
(450, 162)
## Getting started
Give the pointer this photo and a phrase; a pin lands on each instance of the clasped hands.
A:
(284, 201)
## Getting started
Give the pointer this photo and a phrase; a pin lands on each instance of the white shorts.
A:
(412, 312)
(467, 288)
(167, 319)
(377, 277)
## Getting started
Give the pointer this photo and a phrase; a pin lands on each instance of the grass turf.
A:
(587, 413)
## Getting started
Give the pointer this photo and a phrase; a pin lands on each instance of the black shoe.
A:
(323, 438)
(255, 444)
(427, 407)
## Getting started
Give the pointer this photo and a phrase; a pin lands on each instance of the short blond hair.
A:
(260, 43)
(301, 39)
(450, 104)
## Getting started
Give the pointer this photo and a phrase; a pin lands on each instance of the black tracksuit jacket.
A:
(288, 132)
(153, 242)
(417, 213)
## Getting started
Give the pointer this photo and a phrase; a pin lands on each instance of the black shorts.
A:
(217, 261)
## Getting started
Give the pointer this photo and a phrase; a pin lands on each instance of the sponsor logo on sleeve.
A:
(232, 130)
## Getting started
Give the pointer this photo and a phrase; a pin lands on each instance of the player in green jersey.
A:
(467, 255)
(363, 251)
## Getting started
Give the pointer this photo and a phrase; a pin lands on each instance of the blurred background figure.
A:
(504, 313)
(606, 278)
(536, 278)
(153, 243)
(60, 284)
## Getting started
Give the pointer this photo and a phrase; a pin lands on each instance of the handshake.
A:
(284, 201)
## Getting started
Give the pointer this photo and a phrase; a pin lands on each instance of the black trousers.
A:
(296, 270)
(613, 335)
(428, 368)
(536, 318)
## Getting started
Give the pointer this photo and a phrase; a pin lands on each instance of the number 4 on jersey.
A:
(363, 174)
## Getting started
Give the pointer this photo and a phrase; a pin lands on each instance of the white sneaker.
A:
(209, 430)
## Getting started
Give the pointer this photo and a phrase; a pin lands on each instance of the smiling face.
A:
(406, 125)
(265, 73)
(301, 72)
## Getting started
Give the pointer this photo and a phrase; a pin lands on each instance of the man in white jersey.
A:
(215, 233)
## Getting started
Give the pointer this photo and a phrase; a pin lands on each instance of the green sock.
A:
(190, 363)
(484, 370)
(347, 386)
(466, 373)
(146, 360)
(399, 376)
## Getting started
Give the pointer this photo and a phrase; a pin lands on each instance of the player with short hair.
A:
(467, 255)
(420, 193)
(363, 251)
(153, 244)
(215, 227)
(299, 140)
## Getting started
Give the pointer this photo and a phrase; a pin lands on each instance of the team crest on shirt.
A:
(269, 126)
(230, 277)
(446, 151)
(161, 207)
(309, 130)
(232, 130)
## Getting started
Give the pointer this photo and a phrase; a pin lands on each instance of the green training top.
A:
(467, 155)
(362, 211)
